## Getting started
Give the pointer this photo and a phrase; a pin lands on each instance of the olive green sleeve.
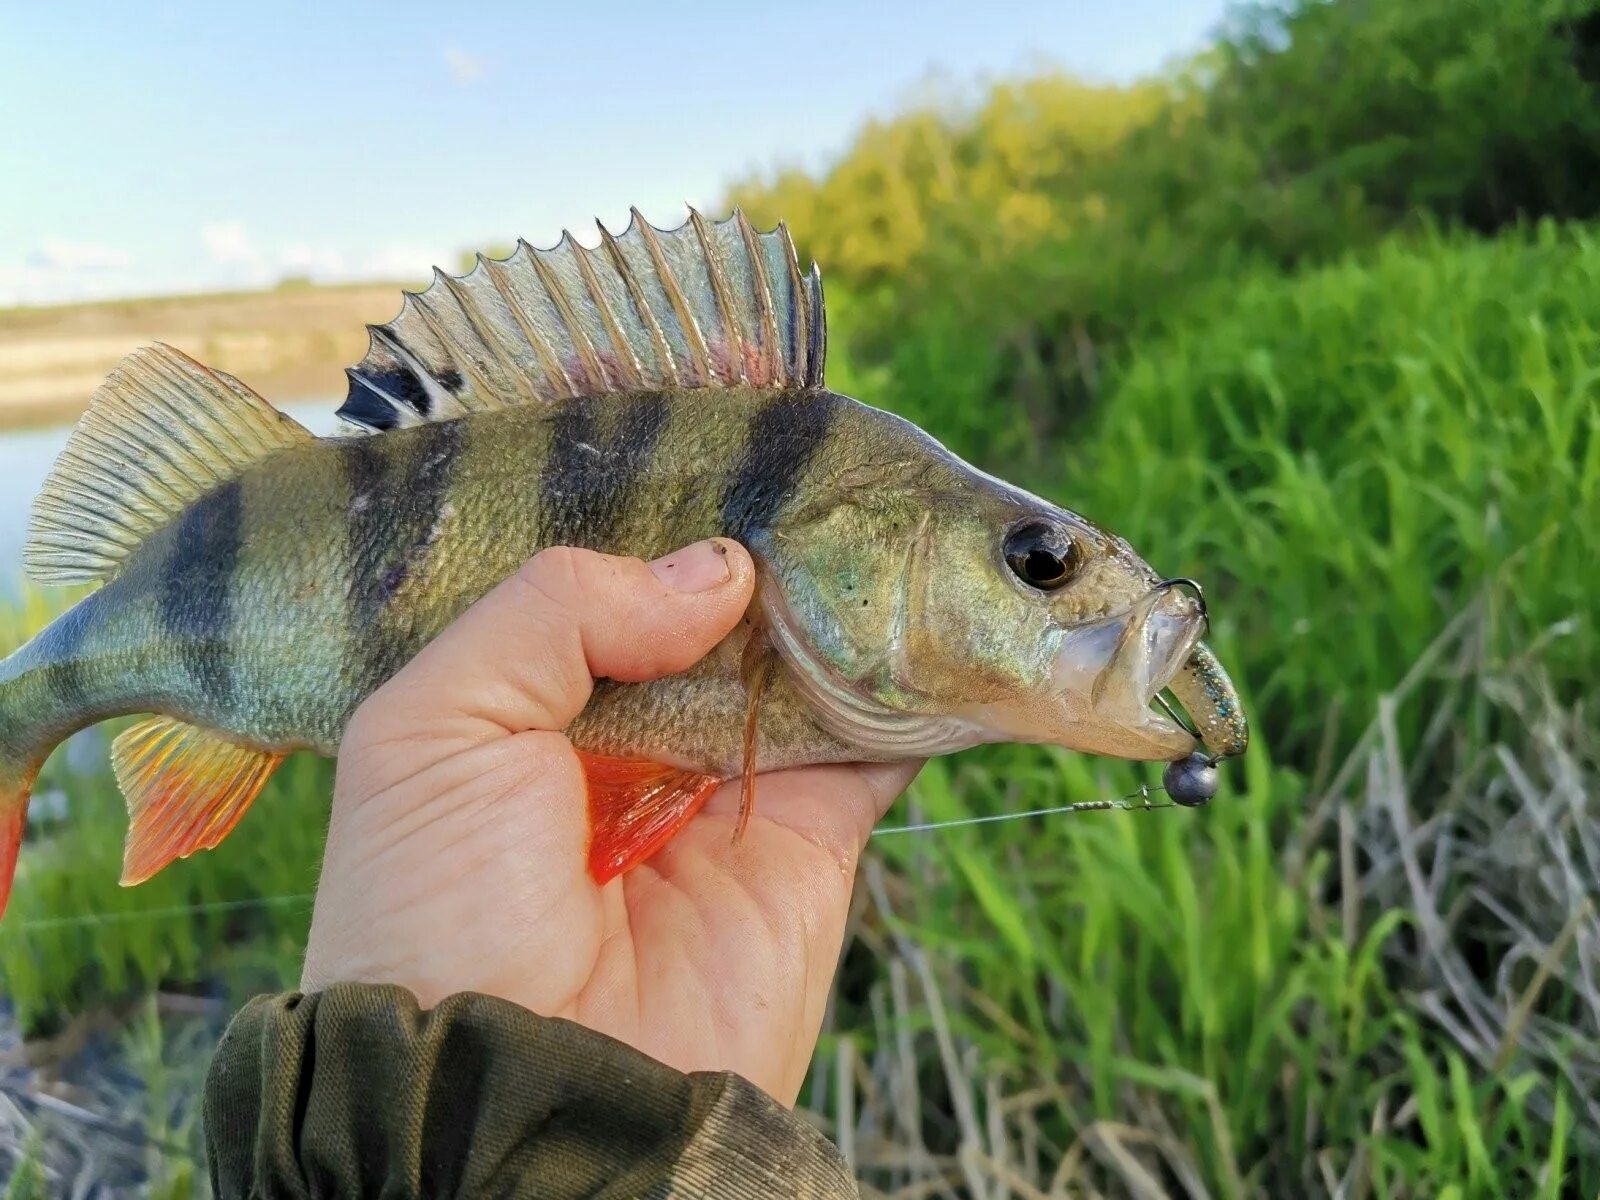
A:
(356, 1092)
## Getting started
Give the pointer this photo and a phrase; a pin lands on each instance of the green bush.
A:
(1007, 250)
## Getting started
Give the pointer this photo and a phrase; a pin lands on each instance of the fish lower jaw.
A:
(1146, 736)
(1155, 737)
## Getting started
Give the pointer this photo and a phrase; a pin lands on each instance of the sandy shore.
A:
(288, 344)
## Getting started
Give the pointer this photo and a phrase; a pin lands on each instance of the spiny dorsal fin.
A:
(159, 433)
(709, 304)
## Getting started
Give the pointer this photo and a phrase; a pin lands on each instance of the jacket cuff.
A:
(355, 1091)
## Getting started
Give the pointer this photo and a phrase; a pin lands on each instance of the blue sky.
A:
(168, 147)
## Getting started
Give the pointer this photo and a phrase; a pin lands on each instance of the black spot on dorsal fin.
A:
(374, 395)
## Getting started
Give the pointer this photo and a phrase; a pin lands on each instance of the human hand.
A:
(456, 855)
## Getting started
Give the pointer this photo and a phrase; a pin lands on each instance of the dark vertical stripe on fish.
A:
(589, 479)
(784, 436)
(197, 589)
(573, 435)
(365, 462)
(426, 490)
(63, 647)
(399, 484)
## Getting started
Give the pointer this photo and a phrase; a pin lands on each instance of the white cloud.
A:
(62, 270)
(230, 245)
(317, 262)
(465, 69)
(405, 263)
(62, 254)
(59, 269)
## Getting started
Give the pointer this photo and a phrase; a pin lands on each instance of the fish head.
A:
(925, 619)
(1032, 624)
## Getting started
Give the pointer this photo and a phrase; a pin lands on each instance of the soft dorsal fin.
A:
(159, 433)
(704, 305)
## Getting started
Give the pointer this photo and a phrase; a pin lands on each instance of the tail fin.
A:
(15, 788)
(41, 702)
(159, 434)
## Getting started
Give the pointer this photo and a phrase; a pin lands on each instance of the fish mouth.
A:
(1108, 674)
(1097, 694)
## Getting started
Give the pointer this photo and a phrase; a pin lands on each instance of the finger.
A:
(835, 807)
(525, 657)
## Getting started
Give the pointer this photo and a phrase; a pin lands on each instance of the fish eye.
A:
(1041, 554)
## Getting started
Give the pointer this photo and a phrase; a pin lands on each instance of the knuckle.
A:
(546, 590)
(567, 580)
(566, 585)
(554, 572)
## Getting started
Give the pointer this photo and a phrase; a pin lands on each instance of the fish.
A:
(255, 583)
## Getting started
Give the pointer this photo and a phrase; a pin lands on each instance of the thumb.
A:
(441, 816)
(526, 656)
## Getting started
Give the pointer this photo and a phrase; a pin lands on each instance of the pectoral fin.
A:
(635, 806)
(759, 660)
(186, 789)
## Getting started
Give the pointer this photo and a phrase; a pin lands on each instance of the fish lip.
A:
(1113, 668)
(1175, 643)
(1152, 639)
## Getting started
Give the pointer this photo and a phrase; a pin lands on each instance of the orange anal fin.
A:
(186, 789)
(635, 806)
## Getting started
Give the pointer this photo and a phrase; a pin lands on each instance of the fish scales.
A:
(257, 584)
(398, 514)
(379, 543)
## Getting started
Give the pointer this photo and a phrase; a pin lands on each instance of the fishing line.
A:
(176, 910)
(1121, 804)
(1137, 800)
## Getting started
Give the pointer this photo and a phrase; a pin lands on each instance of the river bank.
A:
(289, 343)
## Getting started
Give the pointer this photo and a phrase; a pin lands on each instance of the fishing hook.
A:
(1183, 581)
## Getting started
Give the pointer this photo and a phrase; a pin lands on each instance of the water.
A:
(25, 459)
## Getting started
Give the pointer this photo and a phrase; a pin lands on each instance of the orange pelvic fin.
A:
(635, 806)
(186, 789)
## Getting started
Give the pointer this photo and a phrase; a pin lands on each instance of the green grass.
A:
(1349, 459)
(1177, 971)
(234, 917)
(1257, 996)
(1366, 444)
(1339, 456)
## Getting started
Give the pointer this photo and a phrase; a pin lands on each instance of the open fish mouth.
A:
(1098, 695)
(1108, 674)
